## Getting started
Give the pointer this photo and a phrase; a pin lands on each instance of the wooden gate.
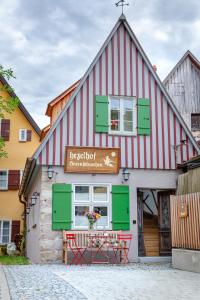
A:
(185, 221)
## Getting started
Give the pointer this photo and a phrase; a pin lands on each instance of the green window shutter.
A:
(120, 207)
(143, 117)
(61, 206)
(101, 113)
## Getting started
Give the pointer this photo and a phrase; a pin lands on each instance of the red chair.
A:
(124, 242)
(78, 252)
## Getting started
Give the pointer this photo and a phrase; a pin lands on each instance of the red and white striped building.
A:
(121, 69)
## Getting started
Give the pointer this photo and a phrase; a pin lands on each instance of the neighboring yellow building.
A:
(22, 137)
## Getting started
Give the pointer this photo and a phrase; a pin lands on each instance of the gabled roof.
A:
(187, 54)
(122, 20)
(60, 97)
(21, 107)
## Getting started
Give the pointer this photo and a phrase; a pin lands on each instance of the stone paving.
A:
(136, 281)
(4, 291)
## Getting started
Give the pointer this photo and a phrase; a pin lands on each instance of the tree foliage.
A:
(8, 102)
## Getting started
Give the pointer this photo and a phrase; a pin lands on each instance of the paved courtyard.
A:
(137, 281)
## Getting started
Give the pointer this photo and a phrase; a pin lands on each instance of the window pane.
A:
(115, 114)
(195, 122)
(128, 126)
(3, 179)
(6, 231)
(128, 115)
(5, 239)
(80, 218)
(100, 193)
(103, 211)
(82, 193)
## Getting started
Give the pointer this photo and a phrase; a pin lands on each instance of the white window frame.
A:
(20, 135)
(1, 230)
(91, 203)
(122, 132)
(6, 187)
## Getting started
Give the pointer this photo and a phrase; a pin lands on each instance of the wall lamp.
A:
(125, 174)
(27, 210)
(50, 172)
(34, 198)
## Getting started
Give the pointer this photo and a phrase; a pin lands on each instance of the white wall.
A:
(51, 241)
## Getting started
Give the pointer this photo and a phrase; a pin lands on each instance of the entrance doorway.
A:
(154, 232)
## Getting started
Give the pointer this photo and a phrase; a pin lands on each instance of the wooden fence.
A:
(185, 221)
(189, 182)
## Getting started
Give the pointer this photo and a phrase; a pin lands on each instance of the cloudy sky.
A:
(50, 43)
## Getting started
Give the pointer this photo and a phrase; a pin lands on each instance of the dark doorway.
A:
(154, 233)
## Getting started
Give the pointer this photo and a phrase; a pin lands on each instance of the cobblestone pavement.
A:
(136, 281)
(36, 282)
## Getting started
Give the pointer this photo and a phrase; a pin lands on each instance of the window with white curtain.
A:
(123, 115)
(92, 198)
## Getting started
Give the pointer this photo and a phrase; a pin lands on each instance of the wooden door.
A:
(164, 222)
(141, 251)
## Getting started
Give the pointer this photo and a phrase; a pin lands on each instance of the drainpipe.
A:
(24, 203)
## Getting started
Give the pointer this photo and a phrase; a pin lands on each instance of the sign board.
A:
(92, 160)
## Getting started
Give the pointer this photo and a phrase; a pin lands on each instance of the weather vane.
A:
(121, 3)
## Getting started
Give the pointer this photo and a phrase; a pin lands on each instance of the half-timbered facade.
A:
(183, 85)
(121, 109)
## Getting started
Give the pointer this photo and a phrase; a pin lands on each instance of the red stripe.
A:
(40, 158)
(61, 139)
(113, 66)
(88, 113)
(181, 138)
(68, 129)
(151, 132)
(126, 151)
(120, 147)
(106, 71)
(187, 147)
(157, 141)
(74, 123)
(100, 75)
(107, 85)
(169, 137)
(163, 131)
(125, 78)
(81, 116)
(132, 151)
(144, 137)
(131, 67)
(94, 92)
(54, 147)
(119, 67)
(113, 141)
(137, 94)
(174, 117)
(100, 92)
(47, 153)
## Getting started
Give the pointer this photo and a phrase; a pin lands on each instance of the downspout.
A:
(24, 203)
